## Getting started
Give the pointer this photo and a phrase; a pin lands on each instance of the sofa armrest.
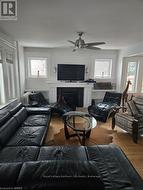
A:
(126, 116)
(38, 110)
(122, 116)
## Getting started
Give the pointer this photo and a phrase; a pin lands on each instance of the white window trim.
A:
(136, 76)
(104, 77)
(2, 95)
(1, 55)
(139, 74)
(29, 67)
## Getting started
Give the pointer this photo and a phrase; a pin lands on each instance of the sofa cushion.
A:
(28, 136)
(138, 100)
(114, 167)
(123, 119)
(15, 109)
(132, 108)
(38, 110)
(60, 174)
(36, 120)
(8, 130)
(21, 115)
(4, 116)
(62, 153)
(19, 154)
(7, 112)
(8, 174)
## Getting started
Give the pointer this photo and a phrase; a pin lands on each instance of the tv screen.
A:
(71, 72)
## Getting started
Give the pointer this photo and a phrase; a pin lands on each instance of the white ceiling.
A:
(50, 23)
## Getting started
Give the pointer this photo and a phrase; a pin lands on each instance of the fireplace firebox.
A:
(72, 96)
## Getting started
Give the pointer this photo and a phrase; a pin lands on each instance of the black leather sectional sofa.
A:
(25, 163)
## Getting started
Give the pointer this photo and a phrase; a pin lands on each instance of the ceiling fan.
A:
(80, 43)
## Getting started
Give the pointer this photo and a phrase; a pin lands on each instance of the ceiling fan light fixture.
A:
(80, 43)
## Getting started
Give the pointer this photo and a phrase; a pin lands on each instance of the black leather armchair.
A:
(131, 120)
(102, 110)
(38, 100)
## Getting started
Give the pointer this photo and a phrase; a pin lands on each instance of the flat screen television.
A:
(70, 72)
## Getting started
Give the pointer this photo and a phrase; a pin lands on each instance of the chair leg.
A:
(135, 132)
(135, 137)
(113, 121)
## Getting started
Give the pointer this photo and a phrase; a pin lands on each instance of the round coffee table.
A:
(81, 124)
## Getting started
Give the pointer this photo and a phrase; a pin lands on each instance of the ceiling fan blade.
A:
(94, 48)
(80, 43)
(94, 43)
(71, 42)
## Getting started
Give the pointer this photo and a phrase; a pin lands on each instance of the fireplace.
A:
(72, 96)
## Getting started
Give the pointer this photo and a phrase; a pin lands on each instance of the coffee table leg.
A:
(83, 138)
(88, 134)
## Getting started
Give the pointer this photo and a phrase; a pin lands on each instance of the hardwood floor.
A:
(133, 151)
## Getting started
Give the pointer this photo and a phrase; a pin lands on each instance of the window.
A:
(132, 75)
(10, 74)
(142, 81)
(142, 87)
(0, 56)
(2, 94)
(9, 57)
(38, 67)
(10, 80)
(102, 68)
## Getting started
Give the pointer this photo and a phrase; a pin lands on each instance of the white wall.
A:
(134, 50)
(66, 56)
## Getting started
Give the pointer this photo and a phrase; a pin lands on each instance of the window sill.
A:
(102, 90)
(37, 77)
(96, 78)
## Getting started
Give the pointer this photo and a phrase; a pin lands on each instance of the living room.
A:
(44, 45)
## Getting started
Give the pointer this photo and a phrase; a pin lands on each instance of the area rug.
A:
(98, 135)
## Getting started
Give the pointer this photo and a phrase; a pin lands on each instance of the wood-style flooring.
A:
(133, 151)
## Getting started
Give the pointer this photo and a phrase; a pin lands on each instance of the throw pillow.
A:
(132, 108)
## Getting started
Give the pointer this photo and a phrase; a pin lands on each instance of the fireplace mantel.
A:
(68, 84)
